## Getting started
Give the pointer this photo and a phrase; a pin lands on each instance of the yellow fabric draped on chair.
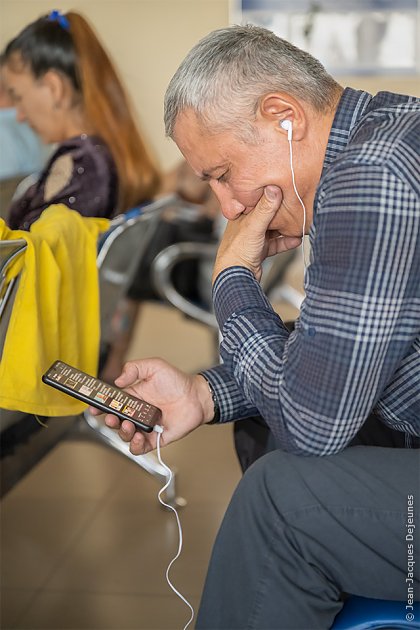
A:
(56, 310)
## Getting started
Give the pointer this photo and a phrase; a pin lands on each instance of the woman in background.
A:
(22, 151)
(63, 83)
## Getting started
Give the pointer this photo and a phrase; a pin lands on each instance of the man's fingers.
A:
(94, 411)
(112, 421)
(282, 244)
(289, 242)
(130, 375)
(264, 211)
(136, 371)
(270, 201)
(141, 443)
(127, 430)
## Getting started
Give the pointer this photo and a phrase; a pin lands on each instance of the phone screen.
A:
(105, 397)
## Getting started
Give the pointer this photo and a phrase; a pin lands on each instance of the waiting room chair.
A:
(8, 188)
(360, 613)
(119, 257)
(162, 268)
(124, 246)
(121, 250)
(9, 252)
(117, 261)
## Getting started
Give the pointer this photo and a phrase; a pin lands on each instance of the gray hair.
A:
(224, 76)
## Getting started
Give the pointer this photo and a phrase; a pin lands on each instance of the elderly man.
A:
(288, 151)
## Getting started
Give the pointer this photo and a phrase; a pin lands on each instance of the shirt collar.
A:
(350, 108)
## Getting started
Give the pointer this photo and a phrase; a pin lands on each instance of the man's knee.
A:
(276, 479)
(293, 482)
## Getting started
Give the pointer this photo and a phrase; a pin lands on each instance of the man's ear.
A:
(276, 107)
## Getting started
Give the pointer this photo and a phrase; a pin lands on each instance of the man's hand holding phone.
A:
(185, 402)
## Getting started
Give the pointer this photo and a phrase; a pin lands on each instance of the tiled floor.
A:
(84, 541)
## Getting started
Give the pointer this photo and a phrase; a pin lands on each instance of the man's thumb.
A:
(272, 195)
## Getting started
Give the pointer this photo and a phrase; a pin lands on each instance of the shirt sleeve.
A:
(316, 386)
(232, 403)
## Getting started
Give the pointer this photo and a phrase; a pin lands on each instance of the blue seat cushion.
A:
(359, 613)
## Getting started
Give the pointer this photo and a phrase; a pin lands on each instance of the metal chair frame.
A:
(164, 263)
(117, 265)
(117, 262)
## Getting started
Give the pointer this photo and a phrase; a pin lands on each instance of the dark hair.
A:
(45, 45)
(77, 53)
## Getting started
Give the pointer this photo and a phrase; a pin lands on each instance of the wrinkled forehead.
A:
(189, 124)
(202, 149)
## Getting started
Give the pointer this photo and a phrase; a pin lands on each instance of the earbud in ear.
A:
(287, 124)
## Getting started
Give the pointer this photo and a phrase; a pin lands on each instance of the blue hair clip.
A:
(57, 16)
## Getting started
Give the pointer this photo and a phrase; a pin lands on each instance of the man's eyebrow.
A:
(206, 175)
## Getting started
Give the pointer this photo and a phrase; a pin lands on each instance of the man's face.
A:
(238, 171)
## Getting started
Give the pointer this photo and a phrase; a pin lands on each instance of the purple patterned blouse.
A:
(81, 174)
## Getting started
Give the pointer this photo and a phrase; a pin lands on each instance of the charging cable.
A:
(301, 202)
(159, 430)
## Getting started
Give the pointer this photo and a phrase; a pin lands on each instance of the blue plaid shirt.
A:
(356, 346)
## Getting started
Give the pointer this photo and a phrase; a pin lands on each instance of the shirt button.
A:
(72, 199)
(80, 170)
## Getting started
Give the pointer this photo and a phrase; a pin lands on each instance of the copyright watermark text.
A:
(410, 539)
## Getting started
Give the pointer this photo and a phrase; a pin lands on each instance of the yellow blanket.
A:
(56, 310)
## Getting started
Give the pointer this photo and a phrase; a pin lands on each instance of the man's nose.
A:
(231, 208)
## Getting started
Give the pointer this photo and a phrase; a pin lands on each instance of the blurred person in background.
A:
(62, 82)
(21, 151)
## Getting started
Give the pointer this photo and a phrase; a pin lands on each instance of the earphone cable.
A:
(301, 202)
(170, 507)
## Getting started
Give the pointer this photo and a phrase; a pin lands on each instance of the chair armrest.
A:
(9, 251)
(161, 271)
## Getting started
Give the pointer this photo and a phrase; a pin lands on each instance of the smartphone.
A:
(101, 395)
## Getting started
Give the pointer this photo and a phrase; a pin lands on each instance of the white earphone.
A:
(287, 125)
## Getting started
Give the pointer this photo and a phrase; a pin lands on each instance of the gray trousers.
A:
(301, 531)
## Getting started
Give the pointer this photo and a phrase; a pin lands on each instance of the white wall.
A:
(147, 40)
